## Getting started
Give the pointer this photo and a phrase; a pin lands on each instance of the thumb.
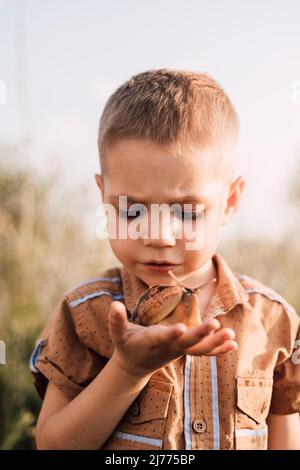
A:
(117, 322)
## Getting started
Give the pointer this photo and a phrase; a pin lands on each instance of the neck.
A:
(200, 276)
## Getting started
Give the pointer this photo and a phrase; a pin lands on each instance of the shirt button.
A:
(199, 425)
(135, 409)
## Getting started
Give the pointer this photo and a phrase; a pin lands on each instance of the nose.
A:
(162, 231)
(159, 242)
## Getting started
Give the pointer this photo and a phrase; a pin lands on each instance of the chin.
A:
(159, 278)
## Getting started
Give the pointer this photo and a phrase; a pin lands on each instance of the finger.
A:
(229, 345)
(161, 334)
(210, 342)
(196, 333)
(117, 322)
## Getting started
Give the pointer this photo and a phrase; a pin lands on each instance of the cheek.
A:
(195, 259)
(213, 221)
(125, 250)
(207, 241)
(120, 248)
(206, 229)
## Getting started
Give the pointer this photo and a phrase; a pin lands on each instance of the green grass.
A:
(43, 253)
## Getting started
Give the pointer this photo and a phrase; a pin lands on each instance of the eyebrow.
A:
(191, 198)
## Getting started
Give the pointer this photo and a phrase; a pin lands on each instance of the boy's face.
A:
(147, 173)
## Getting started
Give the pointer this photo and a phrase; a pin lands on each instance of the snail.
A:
(168, 304)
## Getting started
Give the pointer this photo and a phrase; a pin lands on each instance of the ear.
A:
(100, 183)
(233, 200)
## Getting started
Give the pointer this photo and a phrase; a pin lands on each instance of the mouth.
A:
(160, 266)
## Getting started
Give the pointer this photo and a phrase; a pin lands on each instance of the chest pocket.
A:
(253, 398)
(143, 425)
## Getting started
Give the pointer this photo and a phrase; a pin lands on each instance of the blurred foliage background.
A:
(44, 252)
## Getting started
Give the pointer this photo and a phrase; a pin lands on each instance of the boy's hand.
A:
(141, 350)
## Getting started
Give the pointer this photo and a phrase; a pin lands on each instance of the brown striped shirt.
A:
(216, 402)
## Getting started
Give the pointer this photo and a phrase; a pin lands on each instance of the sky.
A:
(61, 60)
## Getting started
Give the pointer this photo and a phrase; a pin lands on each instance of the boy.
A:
(232, 380)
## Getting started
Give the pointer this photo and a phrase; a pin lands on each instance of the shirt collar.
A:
(229, 291)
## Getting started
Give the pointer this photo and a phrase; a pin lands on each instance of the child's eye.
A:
(125, 215)
(130, 214)
(182, 215)
(194, 215)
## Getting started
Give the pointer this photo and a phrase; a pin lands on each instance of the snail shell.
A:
(167, 305)
(156, 303)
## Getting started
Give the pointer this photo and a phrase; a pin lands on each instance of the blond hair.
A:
(172, 108)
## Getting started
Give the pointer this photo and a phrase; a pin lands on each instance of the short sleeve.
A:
(61, 357)
(286, 386)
